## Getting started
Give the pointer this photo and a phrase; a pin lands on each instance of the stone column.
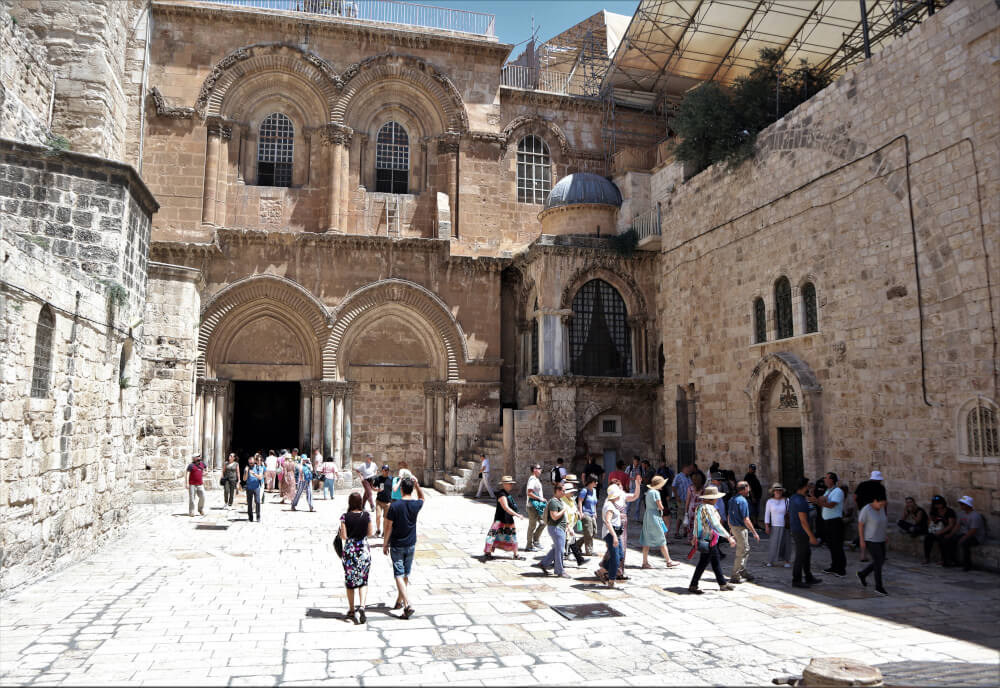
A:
(348, 419)
(328, 425)
(222, 176)
(451, 442)
(196, 419)
(637, 331)
(208, 423)
(553, 350)
(305, 412)
(338, 138)
(345, 183)
(316, 436)
(448, 149)
(338, 429)
(333, 219)
(430, 460)
(220, 425)
(440, 431)
(217, 133)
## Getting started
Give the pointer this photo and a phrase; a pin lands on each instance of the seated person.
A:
(971, 531)
(943, 523)
(914, 521)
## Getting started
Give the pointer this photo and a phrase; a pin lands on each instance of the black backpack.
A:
(555, 475)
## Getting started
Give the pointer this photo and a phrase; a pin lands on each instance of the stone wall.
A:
(26, 85)
(389, 422)
(889, 171)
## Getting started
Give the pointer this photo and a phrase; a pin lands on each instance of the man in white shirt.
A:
(534, 494)
(367, 471)
(484, 476)
(832, 503)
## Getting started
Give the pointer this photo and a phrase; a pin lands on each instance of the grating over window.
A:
(609, 426)
(41, 374)
(534, 340)
(809, 307)
(759, 321)
(783, 307)
(982, 429)
(599, 337)
(274, 151)
(534, 170)
(392, 159)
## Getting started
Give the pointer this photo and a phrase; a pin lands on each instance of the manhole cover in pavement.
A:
(586, 611)
(205, 526)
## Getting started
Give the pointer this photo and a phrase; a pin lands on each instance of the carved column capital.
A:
(336, 134)
(448, 143)
(218, 126)
(636, 320)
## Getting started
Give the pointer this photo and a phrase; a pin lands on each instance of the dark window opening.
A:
(392, 160)
(534, 170)
(41, 373)
(274, 151)
(759, 321)
(783, 307)
(809, 307)
(599, 337)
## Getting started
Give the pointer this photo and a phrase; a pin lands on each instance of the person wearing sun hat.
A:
(775, 517)
(970, 532)
(611, 516)
(573, 543)
(654, 529)
(707, 530)
(503, 533)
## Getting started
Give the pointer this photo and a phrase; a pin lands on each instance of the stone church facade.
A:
(281, 229)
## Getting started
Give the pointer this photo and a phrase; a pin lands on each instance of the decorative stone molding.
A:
(220, 68)
(620, 384)
(535, 124)
(219, 126)
(407, 68)
(410, 295)
(448, 143)
(164, 110)
(336, 135)
(635, 303)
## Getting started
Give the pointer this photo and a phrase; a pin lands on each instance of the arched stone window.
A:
(810, 315)
(274, 151)
(981, 431)
(783, 307)
(759, 321)
(599, 338)
(392, 159)
(41, 373)
(534, 340)
(534, 170)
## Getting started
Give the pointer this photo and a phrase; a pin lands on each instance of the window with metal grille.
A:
(534, 340)
(274, 151)
(599, 338)
(534, 170)
(981, 425)
(392, 159)
(783, 307)
(609, 426)
(41, 373)
(809, 307)
(759, 321)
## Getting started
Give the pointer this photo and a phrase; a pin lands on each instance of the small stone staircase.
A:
(465, 478)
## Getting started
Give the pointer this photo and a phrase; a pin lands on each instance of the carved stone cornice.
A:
(213, 387)
(164, 110)
(642, 384)
(448, 143)
(338, 389)
(435, 388)
(217, 126)
(220, 68)
(336, 134)
(485, 361)
(636, 320)
(487, 137)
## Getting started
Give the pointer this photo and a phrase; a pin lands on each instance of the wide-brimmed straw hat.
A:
(657, 482)
(777, 486)
(615, 492)
(711, 493)
(570, 478)
(507, 479)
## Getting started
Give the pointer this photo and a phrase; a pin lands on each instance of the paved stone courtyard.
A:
(262, 604)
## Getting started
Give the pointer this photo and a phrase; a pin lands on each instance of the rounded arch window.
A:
(810, 314)
(759, 321)
(534, 170)
(41, 372)
(275, 146)
(981, 432)
(599, 338)
(783, 307)
(392, 159)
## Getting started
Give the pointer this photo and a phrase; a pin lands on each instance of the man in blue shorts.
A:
(401, 538)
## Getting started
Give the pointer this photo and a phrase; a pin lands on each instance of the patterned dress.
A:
(357, 557)
(503, 532)
(288, 481)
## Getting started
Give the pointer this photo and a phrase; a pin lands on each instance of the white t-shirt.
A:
(271, 462)
(368, 469)
(534, 485)
(774, 513)
(616, 515)
(484, 466)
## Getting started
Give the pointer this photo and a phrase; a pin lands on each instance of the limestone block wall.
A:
(888, 173)
(26, 85)
(388, 421)
(66, 456)
(165, 435)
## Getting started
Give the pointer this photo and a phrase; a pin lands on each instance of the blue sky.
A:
(513, 22)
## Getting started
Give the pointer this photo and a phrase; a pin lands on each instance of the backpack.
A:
(554, 475)
(396, 491)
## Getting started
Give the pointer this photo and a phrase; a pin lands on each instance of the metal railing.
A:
(382, 11)
(534, 79)
(647, 224)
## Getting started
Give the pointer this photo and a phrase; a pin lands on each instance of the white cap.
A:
(967, 501)
(876, 475)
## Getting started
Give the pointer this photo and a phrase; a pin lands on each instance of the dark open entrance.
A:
(790, 457)
(265, 416)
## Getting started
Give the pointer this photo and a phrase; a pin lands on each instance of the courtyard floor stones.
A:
(263, 604)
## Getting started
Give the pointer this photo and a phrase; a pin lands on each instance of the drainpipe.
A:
(142, 91)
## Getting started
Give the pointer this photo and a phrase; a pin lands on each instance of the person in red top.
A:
(619, 474)
(196, 487)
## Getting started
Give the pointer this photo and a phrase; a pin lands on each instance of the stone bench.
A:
(986, 556)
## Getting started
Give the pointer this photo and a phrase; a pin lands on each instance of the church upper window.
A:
(41, 373)
(534, 170)
(783, 307)
(759, 321)
(274, 151)
(599, 338)
(392, 159)
(809, 307)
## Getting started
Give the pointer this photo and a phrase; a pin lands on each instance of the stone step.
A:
(492, 444)
(445, 487)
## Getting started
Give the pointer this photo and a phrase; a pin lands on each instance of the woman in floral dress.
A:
(356, 526)
(503, 533)
(288, 481)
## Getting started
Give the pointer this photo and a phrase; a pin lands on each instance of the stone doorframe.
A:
(807, 389)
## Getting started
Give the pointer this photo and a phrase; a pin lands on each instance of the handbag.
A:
(578, 527)
(338, 546)
(222, 481)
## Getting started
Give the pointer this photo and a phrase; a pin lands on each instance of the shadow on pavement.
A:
(939, 674)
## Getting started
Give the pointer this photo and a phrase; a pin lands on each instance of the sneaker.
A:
(799, 584)
(814, 581)
(787, 565)
(768, 564)
(726, 588)
(563, 575)
(544, 569)
(696, 591)
(747, 577)
(735, 581)
(831, 572)
(861, 577)
(361, 615)
(881, 591)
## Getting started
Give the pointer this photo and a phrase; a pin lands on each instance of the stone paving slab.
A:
(263, 604)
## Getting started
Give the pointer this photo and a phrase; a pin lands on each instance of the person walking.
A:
(230, 477)
(832, 503)
(253, 480)
(484, 477)
(270, 471)
(383, 497)
(555, 520)
(288, 479)
(692, 500)
(535, 508)
(503, 533)
(654, 527)
(872, 527)
(756, 493)
(706, 533)
(196, 487)
(304, 484)
(741, 526)
(400, 540)
(681, 485)
(328, 469)
(574, 544)
(356, 526)
(367, 471)
(611, 516)
(802, 534)
(587, 503)
(635, 471)
(775, 519)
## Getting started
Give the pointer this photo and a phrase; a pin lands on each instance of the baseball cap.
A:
(937, 499)
(876, 475)
(385, 467)
(967, 501)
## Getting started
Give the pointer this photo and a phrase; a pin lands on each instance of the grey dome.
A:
(583, 187)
